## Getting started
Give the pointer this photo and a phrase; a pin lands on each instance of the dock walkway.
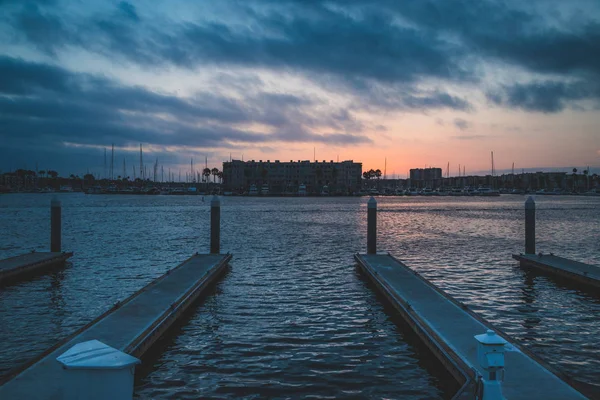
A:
(131, 326)
(574, 270)
(18, 267)
(448, 329)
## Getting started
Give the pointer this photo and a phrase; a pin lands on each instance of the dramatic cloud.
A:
(36, 99)
(326, 71)
(546, 96)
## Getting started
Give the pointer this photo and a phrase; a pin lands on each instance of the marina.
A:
(455, 144)
(292, 316)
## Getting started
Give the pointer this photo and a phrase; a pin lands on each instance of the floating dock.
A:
(131, 326)
(563, 267)
(448, 328)
(20, 267)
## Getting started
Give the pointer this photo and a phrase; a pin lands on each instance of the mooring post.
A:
(530, 226)
(215, 225)
(55, 225)
(372, 226)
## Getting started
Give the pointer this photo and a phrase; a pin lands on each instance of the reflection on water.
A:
(292, 317)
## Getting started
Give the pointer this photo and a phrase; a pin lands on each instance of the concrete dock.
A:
(448, 328)
(20, 267)
(563, 267)
(131, 326)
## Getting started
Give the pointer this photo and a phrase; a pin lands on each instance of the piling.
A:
(372, 226)
(530, 226)
(55, 225)
(215, 225)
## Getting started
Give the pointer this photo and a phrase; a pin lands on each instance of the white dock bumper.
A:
(96, 371)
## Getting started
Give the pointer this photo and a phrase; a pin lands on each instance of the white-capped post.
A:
(530, 226)
(372, 226)
(215, 225)
(96, 371)
(55, 225)
(490, 354)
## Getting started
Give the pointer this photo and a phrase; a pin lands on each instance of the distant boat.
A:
(456, 192)
(66, 189)
(264, 190)
(177, 191)
(374, 192)
(325, 191)
(486, 191)
(302, 190)
(592, 192)
(253, 190)
(469, 191)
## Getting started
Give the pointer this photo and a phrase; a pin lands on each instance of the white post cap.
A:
(490, 338)
(94, 354)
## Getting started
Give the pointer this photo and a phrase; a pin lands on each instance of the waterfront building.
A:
(287, 177)
(422, 177)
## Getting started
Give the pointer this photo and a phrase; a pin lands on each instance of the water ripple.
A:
(292, 319)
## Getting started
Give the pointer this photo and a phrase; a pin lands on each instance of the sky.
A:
(394, 84)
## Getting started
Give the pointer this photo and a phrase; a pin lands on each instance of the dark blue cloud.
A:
(544, 96)
(41, 105)
(316, 39)
(128, 11)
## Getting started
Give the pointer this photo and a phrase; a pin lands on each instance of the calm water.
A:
(293, 318)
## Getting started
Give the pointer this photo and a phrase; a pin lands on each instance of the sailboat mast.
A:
(385, 168)
(112, 162)
(141, 163)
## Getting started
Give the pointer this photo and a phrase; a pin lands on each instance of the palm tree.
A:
(206, 173)
(585, 173)
(378, 173)
(214, 173)
(574, 178)
(220, 176)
